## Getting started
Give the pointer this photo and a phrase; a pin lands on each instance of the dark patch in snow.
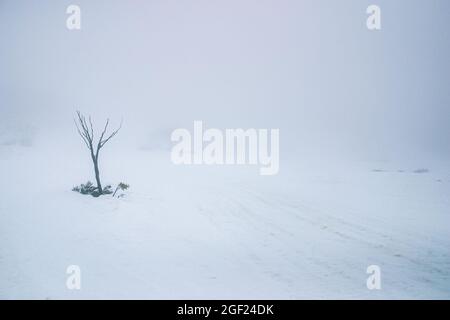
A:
(421, 170)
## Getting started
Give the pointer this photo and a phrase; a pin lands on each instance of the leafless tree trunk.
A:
(86, 132)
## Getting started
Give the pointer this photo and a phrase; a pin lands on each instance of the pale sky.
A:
(310, 68)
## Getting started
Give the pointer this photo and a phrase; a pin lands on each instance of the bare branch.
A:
(82, 136)
(103, 142)
(84, 130)
(92, 129)
(103, 133)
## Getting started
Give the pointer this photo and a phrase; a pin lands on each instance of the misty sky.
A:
(310, 68)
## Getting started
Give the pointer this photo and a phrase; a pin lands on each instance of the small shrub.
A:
(89, 188)
(122, 186)
(107, 189)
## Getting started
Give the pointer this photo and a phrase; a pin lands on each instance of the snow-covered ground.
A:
(221, 232)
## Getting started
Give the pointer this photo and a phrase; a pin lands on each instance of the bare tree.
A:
(86, 131)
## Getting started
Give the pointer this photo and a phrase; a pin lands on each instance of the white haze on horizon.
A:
(309, 68)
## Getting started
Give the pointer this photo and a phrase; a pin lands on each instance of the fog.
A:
(310, 68)
(361, 179)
